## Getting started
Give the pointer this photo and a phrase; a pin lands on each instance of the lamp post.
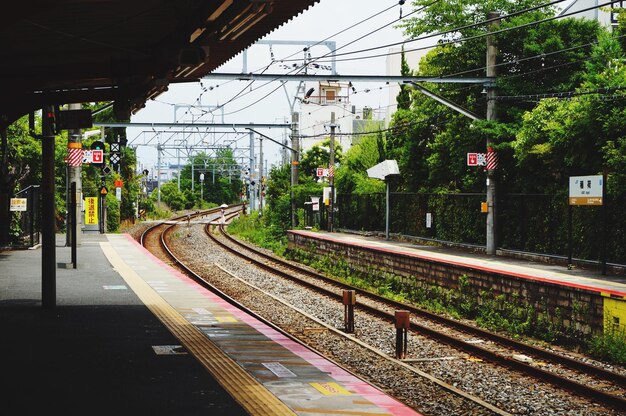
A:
(385, 171)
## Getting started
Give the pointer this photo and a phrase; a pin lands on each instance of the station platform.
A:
(582, 278)
(131, 335)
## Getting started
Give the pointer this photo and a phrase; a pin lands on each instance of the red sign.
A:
(476, 159)
(119, 183)
(97, 156)
(320, 172)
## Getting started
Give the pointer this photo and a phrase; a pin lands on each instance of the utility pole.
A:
(48, 232)
(252, 201)
(159, 150)
(331, 172)
(74, 141)
(295, 145)
(260, 176)
(492, 52)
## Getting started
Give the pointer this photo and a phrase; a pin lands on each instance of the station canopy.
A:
(126, 52)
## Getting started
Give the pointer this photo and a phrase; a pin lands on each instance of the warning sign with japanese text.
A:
(91, 210)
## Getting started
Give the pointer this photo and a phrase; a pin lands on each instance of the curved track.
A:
(600, 396)
(160, 233)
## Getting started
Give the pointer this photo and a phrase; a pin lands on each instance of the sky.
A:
(321, 22)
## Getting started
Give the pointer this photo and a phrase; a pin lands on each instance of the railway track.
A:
(269, 262)
(159, 234)
(593, 382)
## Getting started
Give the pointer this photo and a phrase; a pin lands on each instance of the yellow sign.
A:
(614, 314)
(91, 210)
(330, 389)
(484, 207)
(18, 204)
(585, 200)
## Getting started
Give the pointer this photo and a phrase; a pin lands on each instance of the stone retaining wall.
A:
(579, 308)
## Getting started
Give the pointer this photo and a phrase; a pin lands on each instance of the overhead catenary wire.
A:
(449, 31)
(302, 67)
(443, 33)
(461, 40)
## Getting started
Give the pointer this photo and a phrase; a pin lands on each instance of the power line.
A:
(461, 40)
(297, 70)
(457, 29)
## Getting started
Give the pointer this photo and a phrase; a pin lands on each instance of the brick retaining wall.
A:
(579, 308)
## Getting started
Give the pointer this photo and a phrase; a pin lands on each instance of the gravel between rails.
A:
(512, 392)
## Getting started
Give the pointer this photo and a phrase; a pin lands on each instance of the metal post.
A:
(31, 209)
(492, 51)
(349, 300)
(295, 145)
(402, 324)
(387, 212)
(260, 176)
(605, 223)
(48, 250)
(75, 140)
(252, 178)
(569, 236)
(331, 175)
(73, 216)
(159, 150)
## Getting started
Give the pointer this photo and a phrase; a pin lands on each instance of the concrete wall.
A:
(580, 309)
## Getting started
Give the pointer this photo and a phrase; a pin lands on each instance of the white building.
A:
(604, 15)
(324, 98)
(394, 67)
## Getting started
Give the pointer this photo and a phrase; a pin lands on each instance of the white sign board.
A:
(315, 203)
(326, 196)
(18, 204)
(585, 190)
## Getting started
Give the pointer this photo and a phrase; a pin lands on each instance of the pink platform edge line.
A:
(457, 263)
(355, 384)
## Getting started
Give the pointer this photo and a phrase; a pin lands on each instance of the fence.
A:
(26, 225)
(535, 223)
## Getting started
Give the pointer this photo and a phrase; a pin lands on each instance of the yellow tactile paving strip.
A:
(252, 396)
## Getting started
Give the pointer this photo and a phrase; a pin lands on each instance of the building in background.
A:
(323, 98)
(393, 67)
(606, 16)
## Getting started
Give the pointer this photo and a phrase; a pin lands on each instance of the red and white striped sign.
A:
(74, 157)
(492, 159)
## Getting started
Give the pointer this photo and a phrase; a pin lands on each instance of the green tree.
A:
(20, 166)
(430, 141)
